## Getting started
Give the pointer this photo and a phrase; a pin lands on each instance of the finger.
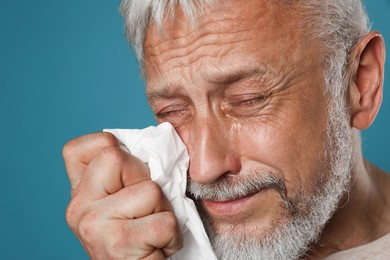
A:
(157, 231)
(111, 170)
(136, 201)
(79, 152)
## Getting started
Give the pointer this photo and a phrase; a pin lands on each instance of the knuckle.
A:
(88, 226)
(166, 228)
(114, 155)
(74, 145)
(69, 148)
(72, 212)
(154, 190)
(107, 139)
(170, 221)
(166, 224)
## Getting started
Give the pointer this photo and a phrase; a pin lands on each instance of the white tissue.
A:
(166, 155)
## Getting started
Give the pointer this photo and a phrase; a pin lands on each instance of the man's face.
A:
(247, 98)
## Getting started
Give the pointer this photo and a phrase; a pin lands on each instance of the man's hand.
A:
(116, 210)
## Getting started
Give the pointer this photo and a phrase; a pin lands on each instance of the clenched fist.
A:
(116, 210)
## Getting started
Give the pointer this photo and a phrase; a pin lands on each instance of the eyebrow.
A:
(221, 77)
(164, 92)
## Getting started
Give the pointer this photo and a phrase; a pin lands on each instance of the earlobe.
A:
(366, 85)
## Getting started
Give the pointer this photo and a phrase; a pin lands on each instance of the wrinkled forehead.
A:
(238, 13)
(217, 19)
(251, 20)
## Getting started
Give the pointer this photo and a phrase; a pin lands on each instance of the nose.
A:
(211, 150)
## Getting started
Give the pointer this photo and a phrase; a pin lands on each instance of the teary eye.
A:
(167, 113)
(246, 99)
(174, 113)
(245, 105)
(250, 101)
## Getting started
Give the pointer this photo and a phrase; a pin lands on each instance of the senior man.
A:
(269, 97)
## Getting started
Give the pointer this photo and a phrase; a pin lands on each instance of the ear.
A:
(366, 85)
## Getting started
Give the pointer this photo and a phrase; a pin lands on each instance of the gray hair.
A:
(338, 25)
(139, 13)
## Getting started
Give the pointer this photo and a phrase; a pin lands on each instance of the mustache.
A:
(233, 187)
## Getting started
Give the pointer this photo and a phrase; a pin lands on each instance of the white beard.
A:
(292, 237)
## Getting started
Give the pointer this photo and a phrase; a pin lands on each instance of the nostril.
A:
(205, 169)
(234, 164)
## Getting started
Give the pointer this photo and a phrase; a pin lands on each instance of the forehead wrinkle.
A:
(177, 32)
(168, 49)
(227, 15)
(216, 33)
(222, 19)
(166, 57)
(195, 43)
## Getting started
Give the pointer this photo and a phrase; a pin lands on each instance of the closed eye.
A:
(246, 99)
(245, 105)
(174, 113)
(168, 113)
(250, 101)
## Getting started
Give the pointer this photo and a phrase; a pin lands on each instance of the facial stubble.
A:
(292, 233)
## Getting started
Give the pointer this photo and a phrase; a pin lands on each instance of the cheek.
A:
(292, 145)
(184, 131)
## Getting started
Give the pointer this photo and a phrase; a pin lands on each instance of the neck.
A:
(363, 214)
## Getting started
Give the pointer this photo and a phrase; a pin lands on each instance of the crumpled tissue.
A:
(162, 149)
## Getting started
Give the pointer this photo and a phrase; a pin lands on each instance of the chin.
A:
(286, 234)
(277, 240)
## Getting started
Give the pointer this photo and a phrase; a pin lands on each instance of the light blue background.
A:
(66, 70)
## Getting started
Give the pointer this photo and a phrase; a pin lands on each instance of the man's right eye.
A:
(170, 113)
(175, 114)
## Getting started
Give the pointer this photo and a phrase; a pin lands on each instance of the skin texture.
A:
(245, 92)
(227, 97)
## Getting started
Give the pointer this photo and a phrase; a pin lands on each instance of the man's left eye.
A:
(245, 105)
(246, 100)
(250, 101)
